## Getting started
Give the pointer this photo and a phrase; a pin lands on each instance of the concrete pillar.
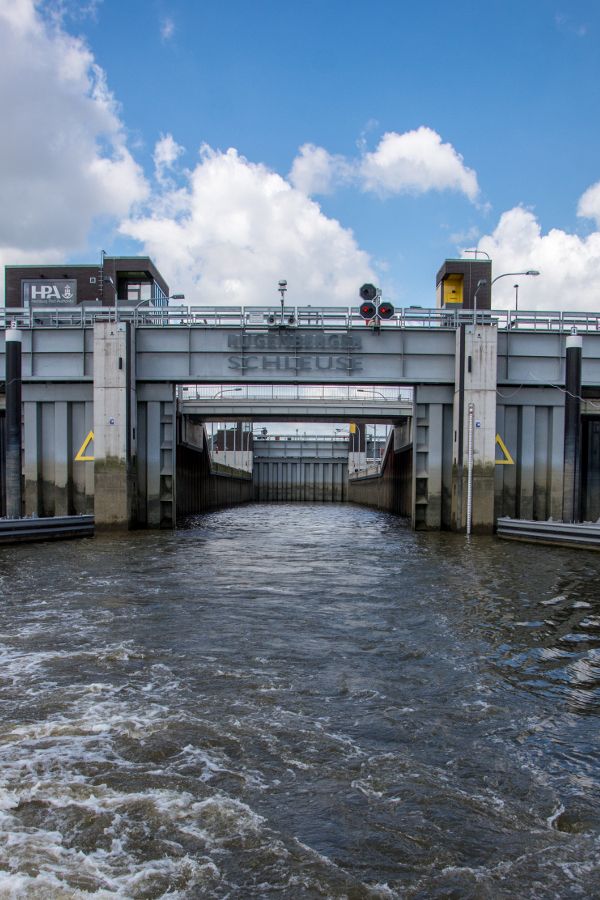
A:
(357, 448)
(63, 487)
(114, 475)
(572, 442)
(14, 492)
(32, 457)
(475, 383)
(527, 462)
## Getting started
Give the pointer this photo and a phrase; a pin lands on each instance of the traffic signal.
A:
(367, 310)
(385, 311)
(368, 292)
(372, 307)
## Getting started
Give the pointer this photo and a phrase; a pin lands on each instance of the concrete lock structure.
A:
(487, 432)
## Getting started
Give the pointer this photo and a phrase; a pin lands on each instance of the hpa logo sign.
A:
(49, 292)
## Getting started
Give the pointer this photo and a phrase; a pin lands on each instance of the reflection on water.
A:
(299, 701)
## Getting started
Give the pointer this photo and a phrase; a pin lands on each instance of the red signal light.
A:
(385, 311)
(367, 310)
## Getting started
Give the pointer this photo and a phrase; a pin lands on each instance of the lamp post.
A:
(371, 391)
(282, 288)
(533, 272)
(150, 299)
(516, 287)
(476, 250)
(223, 391)
(481, 283)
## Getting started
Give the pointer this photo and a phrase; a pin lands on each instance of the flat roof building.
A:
(118, 280)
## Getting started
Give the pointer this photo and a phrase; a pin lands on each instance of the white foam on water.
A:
(557, 812)
(68, 830)
(560, 598)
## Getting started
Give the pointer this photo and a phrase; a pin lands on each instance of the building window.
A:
(139, 290)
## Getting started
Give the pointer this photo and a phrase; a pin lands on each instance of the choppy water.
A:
(299, 701)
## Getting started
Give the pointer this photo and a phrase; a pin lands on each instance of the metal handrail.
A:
(262, 318)
(284, 438)
(232, 393)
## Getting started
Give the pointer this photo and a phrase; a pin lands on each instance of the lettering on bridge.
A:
(295, 352)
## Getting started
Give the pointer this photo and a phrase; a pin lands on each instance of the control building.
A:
(118, 280)
(464, 284)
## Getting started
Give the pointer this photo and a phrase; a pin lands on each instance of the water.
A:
(299, 701)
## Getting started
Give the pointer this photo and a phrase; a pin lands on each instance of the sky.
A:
(327, 142)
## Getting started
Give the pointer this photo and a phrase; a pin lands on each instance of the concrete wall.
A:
(530, 422)
(301, 470)
(392, 489)
(202, 485)
(155, 464)
(432, 473)
(56, 422)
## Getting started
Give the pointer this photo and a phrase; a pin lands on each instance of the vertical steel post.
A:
(470, 467)
(13, 423)
(572, 445)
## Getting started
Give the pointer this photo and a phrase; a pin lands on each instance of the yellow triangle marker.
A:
(80, 453)
(508, 460)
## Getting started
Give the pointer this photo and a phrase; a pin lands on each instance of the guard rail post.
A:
(14, 497)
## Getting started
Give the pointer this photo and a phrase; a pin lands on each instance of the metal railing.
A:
(52, 528)
(330, 393)
(585, 535)
(284, 438)
(265, 317)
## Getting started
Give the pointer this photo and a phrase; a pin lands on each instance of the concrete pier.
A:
(572, 455)
(475, 388)
(14, 499)
(114, 427)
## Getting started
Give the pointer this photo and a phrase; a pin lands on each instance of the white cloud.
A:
(569, 264)
(315, 171)
(235, 228)
(64, 160)
(416, 162)
(589, 203)
(410, 163)
(167, 29)
(166, 153)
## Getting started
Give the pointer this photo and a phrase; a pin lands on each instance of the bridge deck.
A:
(329, 410)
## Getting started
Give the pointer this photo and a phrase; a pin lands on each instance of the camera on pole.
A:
(372, 306)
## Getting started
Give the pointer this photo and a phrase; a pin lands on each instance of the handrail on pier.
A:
(261, 318)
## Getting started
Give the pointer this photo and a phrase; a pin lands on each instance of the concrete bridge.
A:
(489, 393)
(326, 409)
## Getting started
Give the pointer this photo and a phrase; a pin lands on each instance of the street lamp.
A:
(506, 274)
(282, 288)
(532, 272)
(481, 283)
(151, 299)
(223, 391)
(370, 391)
(476, 250)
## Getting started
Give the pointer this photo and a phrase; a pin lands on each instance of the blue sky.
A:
(340, 141)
